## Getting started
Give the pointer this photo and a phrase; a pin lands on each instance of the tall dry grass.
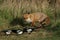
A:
(10, 9)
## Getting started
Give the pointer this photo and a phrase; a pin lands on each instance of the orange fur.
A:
(37, 17)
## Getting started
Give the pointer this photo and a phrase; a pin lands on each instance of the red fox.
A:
(39, 17)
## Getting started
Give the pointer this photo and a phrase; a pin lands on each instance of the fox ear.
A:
(28, 12)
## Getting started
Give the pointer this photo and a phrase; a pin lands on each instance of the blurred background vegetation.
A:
(12, 9)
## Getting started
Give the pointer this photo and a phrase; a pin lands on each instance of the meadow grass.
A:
(11, 9)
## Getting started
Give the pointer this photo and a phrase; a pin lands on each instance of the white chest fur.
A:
(28, 20)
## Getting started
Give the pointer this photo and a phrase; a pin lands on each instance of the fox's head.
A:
(28, 18)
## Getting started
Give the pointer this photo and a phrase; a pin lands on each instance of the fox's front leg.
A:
(32, 24)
